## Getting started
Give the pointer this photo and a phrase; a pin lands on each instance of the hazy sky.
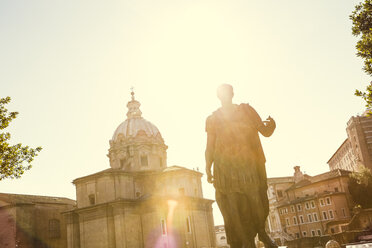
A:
(69, 66)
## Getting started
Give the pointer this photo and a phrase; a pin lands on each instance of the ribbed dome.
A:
(135, 123)
(137, 144)
(131, 127)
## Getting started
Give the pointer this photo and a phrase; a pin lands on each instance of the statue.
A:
(239, 174)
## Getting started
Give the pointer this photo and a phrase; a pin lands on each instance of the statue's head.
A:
(225, 93)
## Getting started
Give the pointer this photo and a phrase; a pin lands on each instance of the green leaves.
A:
(14, 159)
(360, 187)
(361, 18)
(367, 97)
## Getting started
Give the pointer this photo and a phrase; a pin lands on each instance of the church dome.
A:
(131, 127)
(135, 124)
(137, 144)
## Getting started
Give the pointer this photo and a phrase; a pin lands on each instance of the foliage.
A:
(360, 187)
(16, 159)
(362, 26)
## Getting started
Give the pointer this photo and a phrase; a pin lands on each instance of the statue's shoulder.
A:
(214, 114)
(211, 120)
(247, 108)
(250, 112)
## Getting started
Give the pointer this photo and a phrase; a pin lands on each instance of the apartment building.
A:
(313, 207)
(356, 150)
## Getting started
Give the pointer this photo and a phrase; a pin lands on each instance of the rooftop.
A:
(32, 199)
(318, 178)
(174, 168)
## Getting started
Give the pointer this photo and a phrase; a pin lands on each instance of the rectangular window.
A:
(322, 202)
(287, 221)
(343, 212)
(336, 189)
(312, 203)
(144, 161)
(92, 199)
(286, 210)
(324, 215)
(163, 227)
(307, 205)
(313, 233)
(188, 224)
(315, 215)
(309, 218)
(304, 233)
(54, 229)
(299, 207)
(328, 200)
(279, 193)
(297, 235)
(292, 209)
(301, 219)
(319, 232)
(295, 220)
(330, 212)
(280, 211)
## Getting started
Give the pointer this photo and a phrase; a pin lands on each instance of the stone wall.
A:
(33, 225)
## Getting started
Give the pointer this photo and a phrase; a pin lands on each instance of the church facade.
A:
(140, 201)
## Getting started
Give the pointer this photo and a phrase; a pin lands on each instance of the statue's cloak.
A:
(238, 157)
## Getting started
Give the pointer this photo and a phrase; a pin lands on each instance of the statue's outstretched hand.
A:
(269, 122)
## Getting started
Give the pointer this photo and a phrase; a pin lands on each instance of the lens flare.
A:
(168, 234)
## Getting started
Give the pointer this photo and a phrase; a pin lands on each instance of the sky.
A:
(69, 65)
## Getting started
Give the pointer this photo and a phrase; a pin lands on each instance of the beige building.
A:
(31, 221)
(314, 207)
(276, 192)
(221, 240)
(344, 158)
(139, 201)
(357, 148)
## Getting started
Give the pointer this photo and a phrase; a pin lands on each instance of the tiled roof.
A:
(329, 175)
(318, 178)
(17, 199)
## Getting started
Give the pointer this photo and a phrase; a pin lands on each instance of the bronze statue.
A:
(239, 174)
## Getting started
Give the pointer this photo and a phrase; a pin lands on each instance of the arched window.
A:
(54, 229)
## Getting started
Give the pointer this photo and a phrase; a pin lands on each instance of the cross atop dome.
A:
(133, 107)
